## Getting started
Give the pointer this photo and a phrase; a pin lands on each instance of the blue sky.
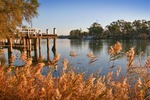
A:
(67, 15)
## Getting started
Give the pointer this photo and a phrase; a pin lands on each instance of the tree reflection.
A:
(75, 43)
(2, 58)
(139, 45)
(95, 46)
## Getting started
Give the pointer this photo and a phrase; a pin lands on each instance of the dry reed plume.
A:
(73, 53)
(28, 83)
(114, 51)
(130, 57)
(116, 48)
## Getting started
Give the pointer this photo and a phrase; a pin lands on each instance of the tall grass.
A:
(27, 82)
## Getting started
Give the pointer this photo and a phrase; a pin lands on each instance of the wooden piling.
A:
(10, 44)
(48, 46)
(24, 44)
(10, 52)
(48, 50)
(10, 62)
(54, 43)
(54, 49)
(27, 42)
(35, 49)
(39, 33)
(39, 47)
(30, 47)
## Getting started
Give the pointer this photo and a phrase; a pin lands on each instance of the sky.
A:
(67, 15)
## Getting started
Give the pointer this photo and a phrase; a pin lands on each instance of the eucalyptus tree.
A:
(128, 28)
(77, 33)
(137, 26)
(13, 12)
(95, 29)
(141, 27)
(114, 28)
(148, 25)
(144, 27)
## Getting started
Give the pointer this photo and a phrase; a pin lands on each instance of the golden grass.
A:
(27, 82)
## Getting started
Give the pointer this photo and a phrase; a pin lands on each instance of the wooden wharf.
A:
(28, 42)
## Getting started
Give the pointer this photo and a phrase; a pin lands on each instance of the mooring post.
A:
(27, 47)
(10, 44)
(48, 46)
(10, 59)
(10, 51)
(28, 42)
(54, 43)
(24, 44)
(39, 44)
(30, 47)
(39, 47)
(35, 48)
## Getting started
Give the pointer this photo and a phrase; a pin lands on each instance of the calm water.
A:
(99, 47)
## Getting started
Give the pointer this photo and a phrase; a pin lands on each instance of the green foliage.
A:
(77, 33)
(124, 29)
(116, 29)
(95, 29)
(13, 12)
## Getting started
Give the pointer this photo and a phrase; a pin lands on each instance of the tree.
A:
(128, 28)
(141, 27)
(114, 28)
(13, 12)
(76, 33)
(95, 29)
(120, 28)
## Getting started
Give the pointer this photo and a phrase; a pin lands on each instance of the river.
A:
(81, 63)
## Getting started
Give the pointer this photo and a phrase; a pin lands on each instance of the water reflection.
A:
(13, 58)
(139, 45)
(2, 58)
(95, 46)
(83, 47)
(74, 43)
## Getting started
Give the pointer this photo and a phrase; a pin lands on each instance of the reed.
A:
(28, 83)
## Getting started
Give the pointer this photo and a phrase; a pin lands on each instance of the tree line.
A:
(117, 29)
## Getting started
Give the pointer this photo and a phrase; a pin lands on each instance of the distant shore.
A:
(93, 38)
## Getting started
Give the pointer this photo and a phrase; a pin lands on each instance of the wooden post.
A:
(39, 44)
(10, 44)
(10, 51)
(35, 48)
(27, 44)
(27, 47)
(24, 44)
(54, 43)
(48, 46)
(39, 47)
(30, 47)
(10, 62)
